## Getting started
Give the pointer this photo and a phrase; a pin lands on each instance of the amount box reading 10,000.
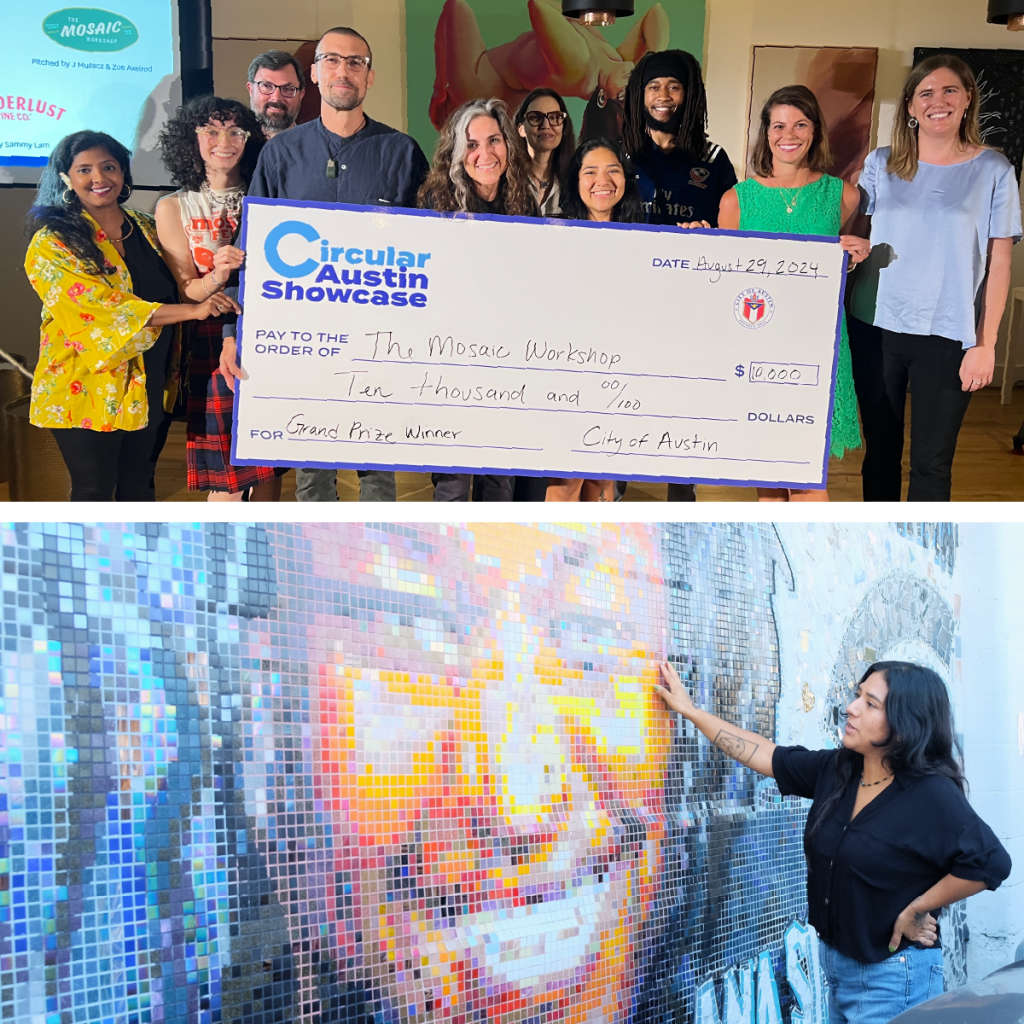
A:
(783, 373)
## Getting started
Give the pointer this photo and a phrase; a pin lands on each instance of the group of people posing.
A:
(139, 312)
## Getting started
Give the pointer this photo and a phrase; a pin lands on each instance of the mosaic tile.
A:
(381, 773)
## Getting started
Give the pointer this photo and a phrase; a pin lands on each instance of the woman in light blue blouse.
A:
(925, 307)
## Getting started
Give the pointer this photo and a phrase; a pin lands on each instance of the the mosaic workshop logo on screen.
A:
(343, 273)
(753, 308)
(86, 28)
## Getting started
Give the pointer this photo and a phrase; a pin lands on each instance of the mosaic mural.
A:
(382, 773)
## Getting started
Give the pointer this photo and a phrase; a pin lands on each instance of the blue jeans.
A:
(875, 993)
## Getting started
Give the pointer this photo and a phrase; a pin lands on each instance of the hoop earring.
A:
(912, 123)
(125, 186)
(68, 200)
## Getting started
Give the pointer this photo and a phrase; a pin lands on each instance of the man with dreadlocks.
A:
(681, 175)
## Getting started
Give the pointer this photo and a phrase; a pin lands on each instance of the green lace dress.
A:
(818, 211)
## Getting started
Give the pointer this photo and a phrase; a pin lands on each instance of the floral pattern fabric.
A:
(90, 372)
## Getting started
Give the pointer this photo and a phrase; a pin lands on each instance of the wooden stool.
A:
(1009, 363)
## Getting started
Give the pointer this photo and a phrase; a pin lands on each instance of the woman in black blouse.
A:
(890, 838)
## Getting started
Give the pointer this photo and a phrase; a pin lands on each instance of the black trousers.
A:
(120, 464)
(885, 366)
(457, 486)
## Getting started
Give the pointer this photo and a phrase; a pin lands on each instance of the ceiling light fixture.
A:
(1007, 12)
(598, 13)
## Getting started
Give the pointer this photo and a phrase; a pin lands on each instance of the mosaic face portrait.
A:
(383, 773)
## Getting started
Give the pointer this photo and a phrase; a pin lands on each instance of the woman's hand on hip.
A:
(672, 691)
(915, 926)
(977, 367)
(216, 305)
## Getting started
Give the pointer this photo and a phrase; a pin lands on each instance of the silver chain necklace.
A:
(231, 204)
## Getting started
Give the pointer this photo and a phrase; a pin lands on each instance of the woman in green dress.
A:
(790, 194)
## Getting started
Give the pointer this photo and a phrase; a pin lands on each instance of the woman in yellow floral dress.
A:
(108, 353)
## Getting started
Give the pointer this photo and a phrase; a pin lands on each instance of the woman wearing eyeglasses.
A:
(544, 122)
(210, 148)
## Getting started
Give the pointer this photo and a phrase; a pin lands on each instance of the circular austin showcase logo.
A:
(753, 308)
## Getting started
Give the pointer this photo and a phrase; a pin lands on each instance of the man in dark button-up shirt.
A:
(342, 157)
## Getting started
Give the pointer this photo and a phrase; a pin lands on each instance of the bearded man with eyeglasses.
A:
(276, 86)
(343, 156)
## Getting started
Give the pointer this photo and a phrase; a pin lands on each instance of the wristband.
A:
(207, 290)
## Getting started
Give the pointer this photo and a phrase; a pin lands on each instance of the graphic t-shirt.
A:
(675, 189)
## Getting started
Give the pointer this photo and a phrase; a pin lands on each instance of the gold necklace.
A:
(791, 202)
(131, 228)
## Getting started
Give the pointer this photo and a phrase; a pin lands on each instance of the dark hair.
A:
(921, 739)
(819, 156)
(562, 156)
(181, 147)
(627, 210)
(276, 60)
(343, 31)
(65, 219)
(448, 187)
(692, 138)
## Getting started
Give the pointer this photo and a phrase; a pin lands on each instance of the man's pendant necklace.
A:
(332, 164)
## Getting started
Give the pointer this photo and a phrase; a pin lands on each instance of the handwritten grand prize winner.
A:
(380, 339)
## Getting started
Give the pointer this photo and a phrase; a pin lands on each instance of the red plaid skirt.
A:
(210, 406)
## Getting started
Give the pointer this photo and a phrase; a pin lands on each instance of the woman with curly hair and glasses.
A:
(480, 166)
(109, 351)
(210, 148)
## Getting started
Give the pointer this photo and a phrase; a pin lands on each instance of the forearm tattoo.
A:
(735, 746)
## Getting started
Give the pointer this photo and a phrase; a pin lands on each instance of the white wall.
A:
(990, 703)
(895, 27)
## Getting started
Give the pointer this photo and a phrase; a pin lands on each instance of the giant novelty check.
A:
(385, 339)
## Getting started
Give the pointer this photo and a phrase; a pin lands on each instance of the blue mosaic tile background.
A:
(382, 773)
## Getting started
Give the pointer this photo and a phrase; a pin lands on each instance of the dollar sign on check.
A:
(739, 369)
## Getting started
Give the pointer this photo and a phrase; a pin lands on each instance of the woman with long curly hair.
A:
(480, 166)
(109, 350)
(210, 148)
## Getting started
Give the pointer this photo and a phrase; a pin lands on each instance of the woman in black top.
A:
(600, 187)
(890, 837)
